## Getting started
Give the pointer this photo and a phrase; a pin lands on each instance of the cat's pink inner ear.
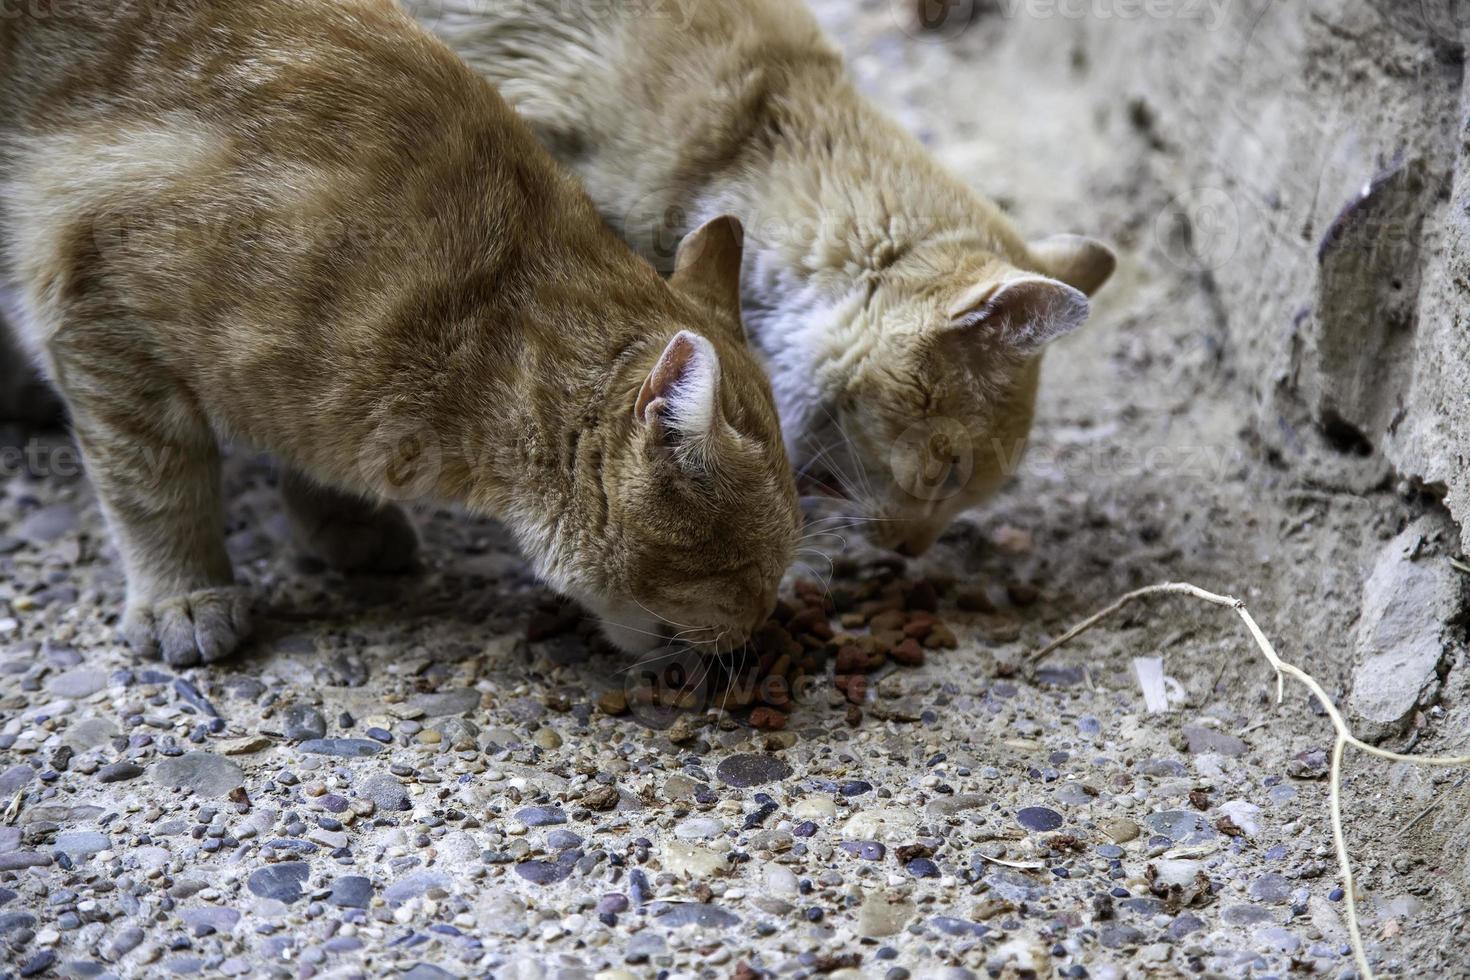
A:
(680, 391)
(1026, 313)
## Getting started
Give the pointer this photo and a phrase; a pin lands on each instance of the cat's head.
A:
(935, 417)
(701, 503)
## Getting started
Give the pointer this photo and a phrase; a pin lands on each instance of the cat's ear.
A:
(1082, 263)
(708, 262)
(681, 391)
(1025, 313)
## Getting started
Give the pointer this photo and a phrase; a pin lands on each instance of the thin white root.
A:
(1345, 737)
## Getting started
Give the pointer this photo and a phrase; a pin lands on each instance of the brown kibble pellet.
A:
(814, 596)
(908, 653)
(888, 639)
(918, 629)
(857, 660)
(852, 621)
(941, 638)
(893, 619)
(812, 619)
(767, 719)
(774, 689)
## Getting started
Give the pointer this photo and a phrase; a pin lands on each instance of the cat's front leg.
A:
(349, 533)
(155, 464)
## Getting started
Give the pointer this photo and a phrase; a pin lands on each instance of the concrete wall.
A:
(1320, 157)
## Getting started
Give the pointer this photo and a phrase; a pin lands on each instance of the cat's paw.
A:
(381, 541)
(187, 630)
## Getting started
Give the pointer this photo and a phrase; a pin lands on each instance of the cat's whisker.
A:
(651, 660)
(841, 538)
(830, 518)
(835, 470)
(855, 519)
(664, 619)
(820, 452)
(815, 553)
(630, 629)
(820, 532)
(867, 494)
(694, 685)
(732, 681)
(826, 582)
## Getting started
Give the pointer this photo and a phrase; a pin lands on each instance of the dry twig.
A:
(1345, 737)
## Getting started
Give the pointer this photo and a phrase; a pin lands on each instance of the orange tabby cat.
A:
(901, 316)
(308, 227)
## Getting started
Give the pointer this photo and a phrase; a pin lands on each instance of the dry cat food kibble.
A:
(823, 637)
(881, 618)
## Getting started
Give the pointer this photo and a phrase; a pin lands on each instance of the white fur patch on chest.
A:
(793, 330)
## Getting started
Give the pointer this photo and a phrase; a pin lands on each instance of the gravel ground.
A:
(439, 776)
